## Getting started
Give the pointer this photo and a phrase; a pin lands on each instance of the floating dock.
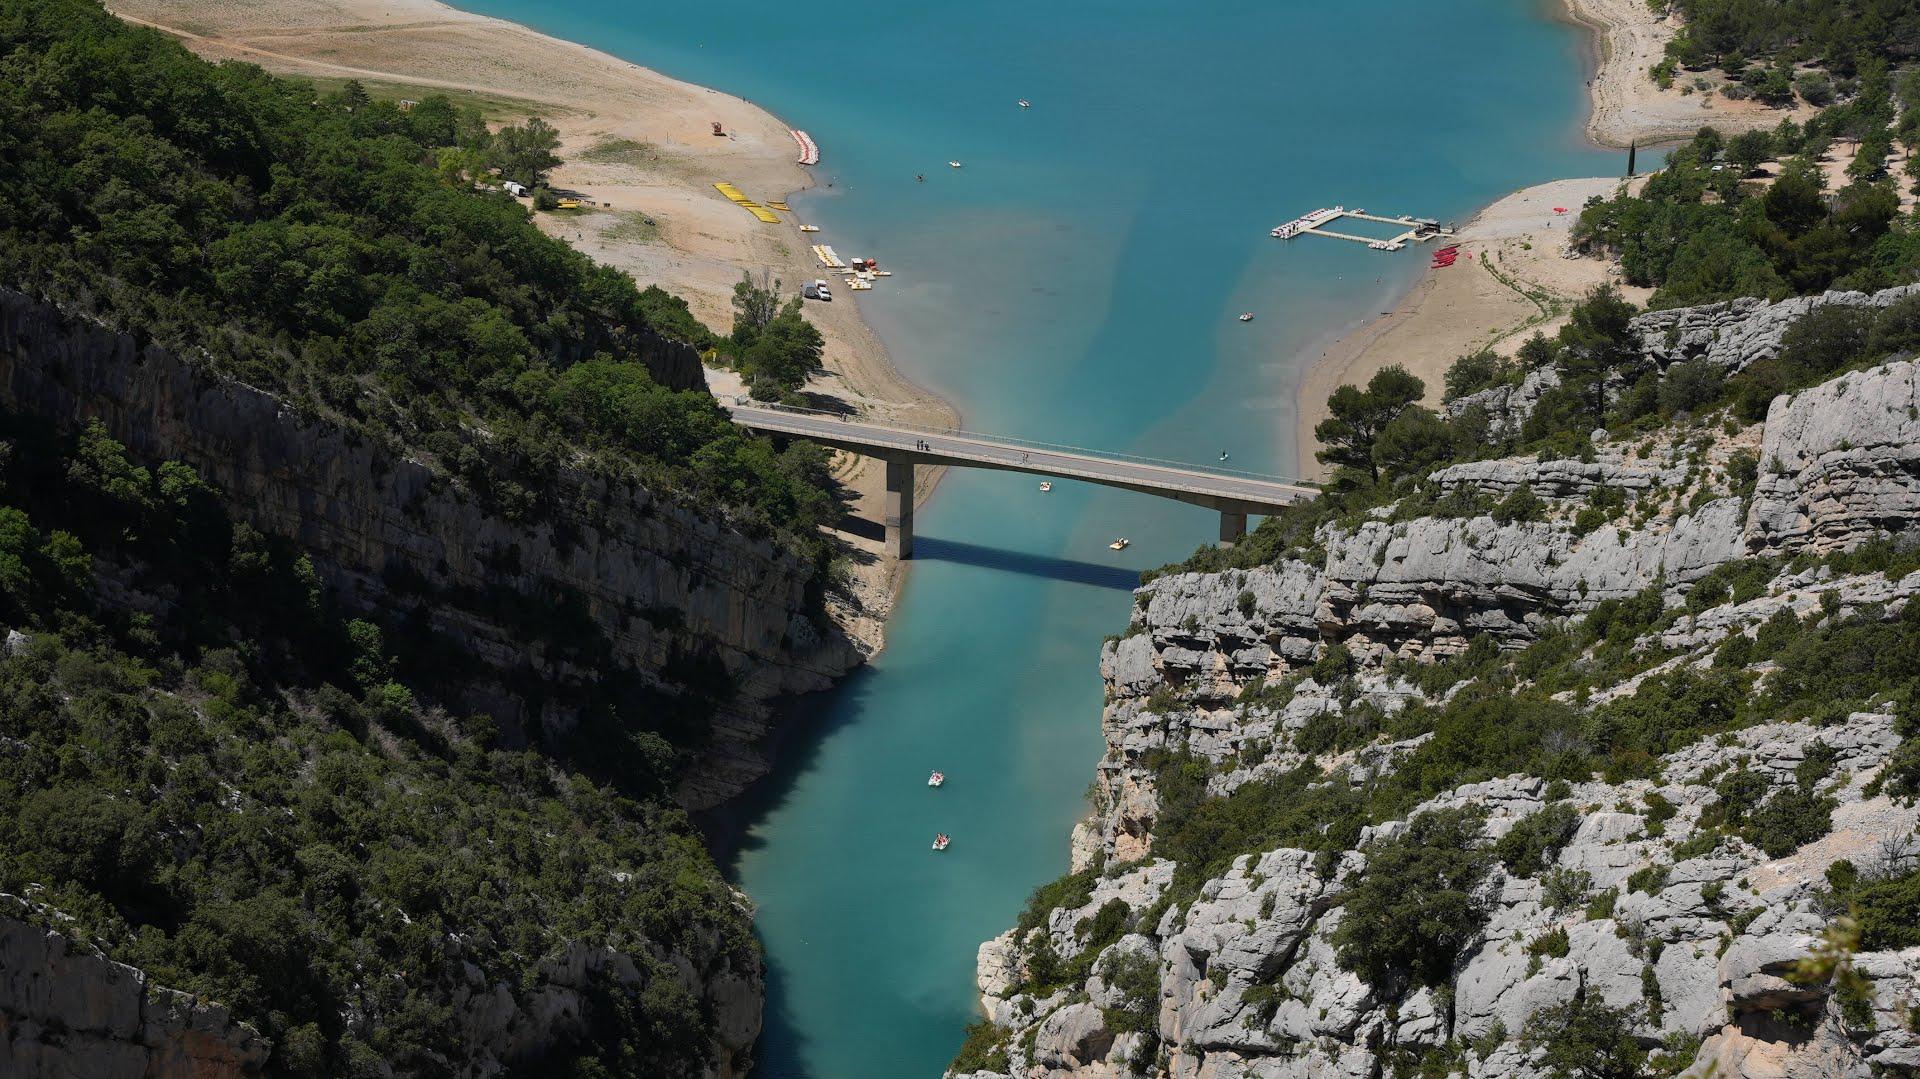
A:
(738, 198)
(1315, 224)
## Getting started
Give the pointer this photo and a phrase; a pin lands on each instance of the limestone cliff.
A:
(1650, 903)
(664, 587)
(1738, 333)
(66, 1011)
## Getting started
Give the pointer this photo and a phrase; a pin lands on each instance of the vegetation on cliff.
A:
(215, 771)
(226, 783)
(1602, 699)
(337, 251)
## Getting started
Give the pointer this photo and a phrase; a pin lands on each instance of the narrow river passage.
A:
(1077, 282)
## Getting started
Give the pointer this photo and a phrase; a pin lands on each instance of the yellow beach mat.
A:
(772, 205)
(733, 193)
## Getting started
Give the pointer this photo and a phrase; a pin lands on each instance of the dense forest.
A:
(335, 250)
(215, 773)
(223, 780)
(1838, 35)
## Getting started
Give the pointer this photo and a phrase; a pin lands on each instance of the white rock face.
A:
(1690, 929)
(67, 1012)
(1737, 333)
(1840, 463)
(1507, 406)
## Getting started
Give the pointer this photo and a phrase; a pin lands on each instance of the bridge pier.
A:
(1233, 528)
(898, 511)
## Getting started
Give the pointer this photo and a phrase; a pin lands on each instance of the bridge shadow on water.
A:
(935, 549)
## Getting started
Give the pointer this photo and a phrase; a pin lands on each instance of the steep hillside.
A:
(1594, 762)
(378, 587)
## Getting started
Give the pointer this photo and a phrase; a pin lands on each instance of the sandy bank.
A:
(638, 143)
(1627, 104)
(1511, 280)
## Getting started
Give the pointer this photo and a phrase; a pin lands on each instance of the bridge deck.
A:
(1221, 489)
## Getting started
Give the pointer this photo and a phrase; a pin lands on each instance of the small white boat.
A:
(940, 841)
(936, 779)
(1025, 104)
(955, 164)
(1246, 316)
(1121, 544)
(1046, 485)
(809, 228)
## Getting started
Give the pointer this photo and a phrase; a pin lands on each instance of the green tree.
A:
(1749, 149)
(1414, 908)
(1584, 1039)
(1412, 442)
(526, 152)
(1597, 347)
(1473, 372)
(1357, 418)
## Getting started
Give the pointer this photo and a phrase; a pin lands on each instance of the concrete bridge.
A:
(1234, 494)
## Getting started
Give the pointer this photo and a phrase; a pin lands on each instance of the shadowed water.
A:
(1076, 282)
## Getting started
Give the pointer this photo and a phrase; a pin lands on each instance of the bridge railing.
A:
(743, 401)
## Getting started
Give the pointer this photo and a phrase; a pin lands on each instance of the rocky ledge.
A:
(1644, 904)
(66, 1011)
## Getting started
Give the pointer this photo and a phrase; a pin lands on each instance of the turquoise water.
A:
(1077, 282)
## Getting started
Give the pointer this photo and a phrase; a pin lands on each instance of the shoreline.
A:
(1511, 279)
(638, 143)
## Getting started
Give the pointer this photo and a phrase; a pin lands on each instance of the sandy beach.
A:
(1513, 277)
(638, 144)
(1629, 39)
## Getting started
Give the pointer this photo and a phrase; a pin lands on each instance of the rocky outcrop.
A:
(1735, 334)
(1507, 405)
(1653, 905)
(507, 1033)
(1732, 335)
(67, 1012)
(643, 587)
(1840, 463)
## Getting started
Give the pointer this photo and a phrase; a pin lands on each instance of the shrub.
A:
(1474, 372)
(1414, 908)
(1584, 1039)
(1648, 878)
(1690, 385)
(1888, 912)
(1743, 472)
(1563, 889)
(1072, 890)
(1533, 843)
(984, 1049)
(1136, 977)
(1826, 339)
(1521, 505)
(1552, 943)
